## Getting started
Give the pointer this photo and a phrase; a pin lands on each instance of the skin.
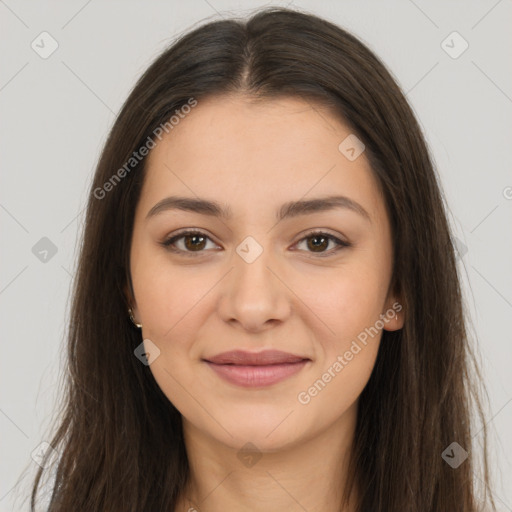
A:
(253, 158)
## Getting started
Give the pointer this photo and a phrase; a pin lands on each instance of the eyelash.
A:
(168, 244)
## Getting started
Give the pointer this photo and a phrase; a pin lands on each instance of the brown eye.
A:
(318, 242)
(187, 242)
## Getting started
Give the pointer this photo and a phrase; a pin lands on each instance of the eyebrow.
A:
(287, 210)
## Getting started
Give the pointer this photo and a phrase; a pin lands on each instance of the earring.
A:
(130, 312)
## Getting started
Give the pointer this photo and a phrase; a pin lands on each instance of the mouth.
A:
(262, 369)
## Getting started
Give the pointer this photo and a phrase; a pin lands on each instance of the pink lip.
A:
(249, 369)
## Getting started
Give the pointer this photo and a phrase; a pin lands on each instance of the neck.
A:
(309, 474)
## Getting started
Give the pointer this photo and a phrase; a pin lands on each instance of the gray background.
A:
(56, 113)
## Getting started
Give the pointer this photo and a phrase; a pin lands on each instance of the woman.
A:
(267, 309)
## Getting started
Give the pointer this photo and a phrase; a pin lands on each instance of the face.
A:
(265, 268)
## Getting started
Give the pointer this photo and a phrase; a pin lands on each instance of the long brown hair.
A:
(119, 439)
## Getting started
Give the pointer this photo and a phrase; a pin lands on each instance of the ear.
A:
(393, 314)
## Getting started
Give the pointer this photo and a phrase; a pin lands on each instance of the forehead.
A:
(250, 153)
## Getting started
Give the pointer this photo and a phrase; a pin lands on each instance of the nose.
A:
(255, 295)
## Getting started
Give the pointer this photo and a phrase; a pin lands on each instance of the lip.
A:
(261, 369)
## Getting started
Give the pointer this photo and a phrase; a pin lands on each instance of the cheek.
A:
(347, 351)
(349, 305)
(174, 303)
(171, 301)
(345, 302)
(166, 294)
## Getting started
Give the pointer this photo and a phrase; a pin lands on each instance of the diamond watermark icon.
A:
(44, 45)
(351, 147)
(44, 250)
(454, 45)
(454, 455)
(39, 452)
(147, 352)
(249, 455)
(249, 250)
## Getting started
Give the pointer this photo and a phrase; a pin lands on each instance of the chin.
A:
(269, 430)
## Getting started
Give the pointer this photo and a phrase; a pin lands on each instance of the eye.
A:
(318, 241)
(190, 242)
